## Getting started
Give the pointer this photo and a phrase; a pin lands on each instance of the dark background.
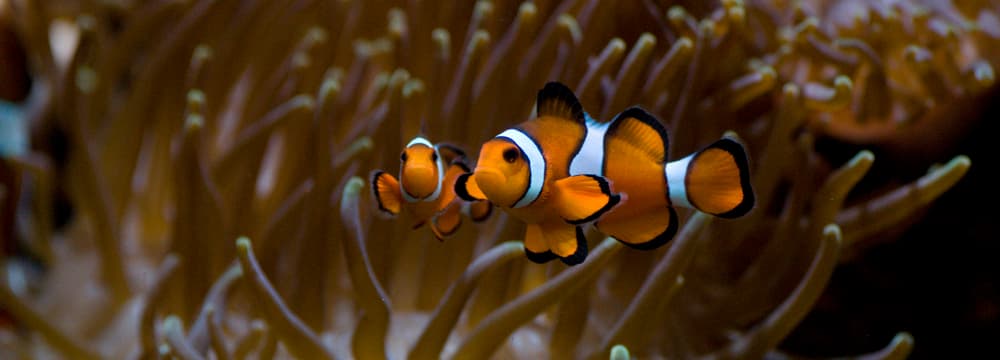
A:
(937, 280)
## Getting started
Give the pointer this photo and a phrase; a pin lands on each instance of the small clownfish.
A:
(563, 169)
(425, 188)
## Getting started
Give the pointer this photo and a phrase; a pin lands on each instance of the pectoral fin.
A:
(583, 198)
(467, 189)
(385, 189)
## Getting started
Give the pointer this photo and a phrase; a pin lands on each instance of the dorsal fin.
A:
(555, 99)
(640, 129)
(450, 152)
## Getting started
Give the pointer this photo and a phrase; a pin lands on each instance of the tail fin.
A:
(715, 180)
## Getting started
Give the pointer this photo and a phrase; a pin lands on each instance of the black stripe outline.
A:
(539, 258)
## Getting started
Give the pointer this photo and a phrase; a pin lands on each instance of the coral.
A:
(211, 153)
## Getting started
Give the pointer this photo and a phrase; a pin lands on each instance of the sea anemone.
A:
(209, 153)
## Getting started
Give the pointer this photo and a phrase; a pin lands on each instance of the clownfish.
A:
(425, 189)
(564, 169)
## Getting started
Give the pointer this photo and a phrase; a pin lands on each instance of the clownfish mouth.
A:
(492, 182)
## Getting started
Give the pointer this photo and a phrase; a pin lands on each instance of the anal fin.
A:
(447, 222)
(645, 231)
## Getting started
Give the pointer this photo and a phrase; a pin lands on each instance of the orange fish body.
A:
(425, 188)
(613, 172)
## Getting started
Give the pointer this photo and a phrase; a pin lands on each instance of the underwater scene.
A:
(491, 179)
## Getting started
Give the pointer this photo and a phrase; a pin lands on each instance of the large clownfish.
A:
(563, 169)
(425, 189)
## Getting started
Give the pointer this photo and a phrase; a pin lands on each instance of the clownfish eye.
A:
(434, 156)
(510, 155)
(402, 157)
